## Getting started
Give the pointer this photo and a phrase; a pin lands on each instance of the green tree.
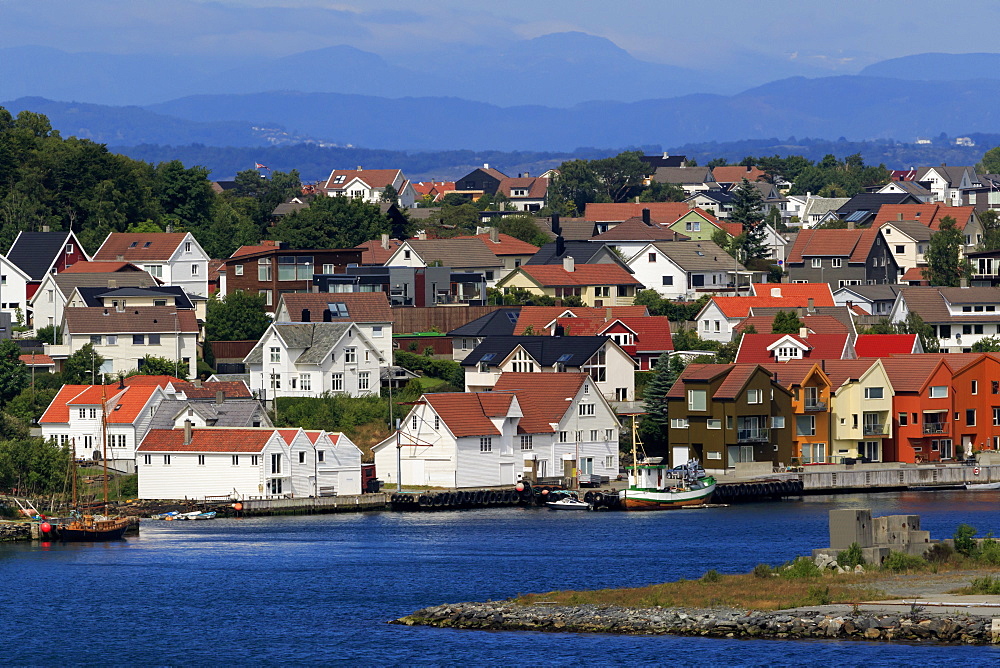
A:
(655, 424)
(390, 194)
(49, 334)
(990, 344)
(990, 220)
(332, 222)
(13, 372)
(945, 266)
(524, 227)
(29, 405)
(747, 210)
(159, 366)
(257, 197)
(184, 193)
(786, 322)
(33, 466)
(688, 339)
(143, 227)
(662, 192)
(914, 324)
(990, 164)
(83, 367)
(580, 182)
(239, 316)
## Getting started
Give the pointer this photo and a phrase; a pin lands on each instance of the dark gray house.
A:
(841, 258)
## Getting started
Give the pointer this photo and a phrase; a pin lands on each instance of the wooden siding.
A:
(234, 351)
(446, 318)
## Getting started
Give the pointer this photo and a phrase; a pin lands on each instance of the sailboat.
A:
(655, 486)
(90, 528)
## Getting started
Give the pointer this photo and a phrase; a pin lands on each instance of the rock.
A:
(859, 569)
(872, 634)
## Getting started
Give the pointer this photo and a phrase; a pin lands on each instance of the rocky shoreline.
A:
(911, 625)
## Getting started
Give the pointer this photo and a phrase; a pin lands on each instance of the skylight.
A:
(487, 357)
(339, 309)
(512, 316)
(565, 358)
(133, 244)
(147, 244)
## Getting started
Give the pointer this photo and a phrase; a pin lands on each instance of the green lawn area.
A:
(429, 382)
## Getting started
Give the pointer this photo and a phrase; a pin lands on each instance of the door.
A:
(415, 467)
(946, 449)
(873, 451)
(679, 455)
(542, 468)
(507, 473)
(569, 468)
(587, 466)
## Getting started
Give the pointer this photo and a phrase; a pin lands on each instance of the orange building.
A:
(810, 388)
(977, 402)
(924, 407)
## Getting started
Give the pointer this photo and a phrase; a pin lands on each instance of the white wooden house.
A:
(530, 426)
(174, 257)
(311, 359)
(323, 463)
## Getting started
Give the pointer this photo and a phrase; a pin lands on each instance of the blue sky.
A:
(811, 38)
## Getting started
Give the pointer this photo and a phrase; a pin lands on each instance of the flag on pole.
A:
(257, 165)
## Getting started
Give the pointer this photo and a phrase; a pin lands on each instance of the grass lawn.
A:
(429, 382)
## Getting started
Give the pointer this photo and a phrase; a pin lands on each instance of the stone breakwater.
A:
(507, 616)
(14, 531)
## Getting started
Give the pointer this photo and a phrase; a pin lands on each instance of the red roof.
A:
(551, 275)
(157, 381)
(375, 178)
(540, 317)
(854, 244)
(664, 213)
(910, 373)
(536, 186)
(736, 377)
(914, 274)
(469, 413)
(634, 229)
(817, 324)
(739, 307)
(266, 245)
(123, 405)
(736, 173)
(37, 360)
(231, 389)
(361, 306)
(652, 333)
(928, 214)
(505, 244)
(138, 246)
(542, 397)
(109, 267)
(820, 292)
(212, 439)
(841, 371)
(883, 345)
(754, 347)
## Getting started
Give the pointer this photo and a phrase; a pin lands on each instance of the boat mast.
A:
(635, 455)
(104, 440)
(72, 469)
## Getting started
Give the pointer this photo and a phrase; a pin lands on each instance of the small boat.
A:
(567, 502)
(165, 516)
(209, 515)
(92, 528)
(982, 486)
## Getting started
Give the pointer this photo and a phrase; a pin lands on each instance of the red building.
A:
(924, 409)
(977, 401)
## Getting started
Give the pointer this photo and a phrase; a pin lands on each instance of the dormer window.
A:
(788, 353)
(340, 178)
(133, 244)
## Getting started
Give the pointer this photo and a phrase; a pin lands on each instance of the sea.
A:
(319, 590)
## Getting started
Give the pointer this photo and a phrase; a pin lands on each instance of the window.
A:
(377, 332)
(194, 270)
(368, 355)
(147, 459)
(413, 422)
(201, 460)
(302, 457)
(320, 455)
(593, 435)
(789, 352)
(621, 394)
(602, 291)
(805, 425)
(995, 386)
(718, 326)
(975, 387)
(526, 442)
(697, 400)
(364, 378)
(83, 413)
(652, 257)
(874, 392)
(836, 263)
(586, 388)
(563, 436)
(970, 417)
(609, 434)
(275, 354)
(295, 267)
(138, 339)
(154, 339)
(778, 422)
(275, 381)
(276, 462)
(268, 296)
(755, 397)
(305, 382)
(597, 366)
(486, 444)
(350, 355)
(406, 255)
(900, 250)
(155, 270)
(236, 460)
(996, 416)
(704, 325)
(668, 280)
(938, 391)
(264, 272)
(678, 423)
(95, 339)
(715, 424)
(254, 460)
(159, 302)
(586, 409)
(237, 270)
(437, 422)
(166, 460)
(902, 419)
(337, 382)
(692, 226)
(817, 262)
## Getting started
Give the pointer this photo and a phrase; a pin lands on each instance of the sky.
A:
(791, 37)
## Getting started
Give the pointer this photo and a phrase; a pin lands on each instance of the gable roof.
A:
(736, 377)
(132, 320)
(820, 206)
(634, 229)
(698, 256)
(795, 372)
(932, 302)
(842, 371)
(872, 202)
(928, 215)
(883, 345)
(759, 348)
(842, 314)
(547, 275)
(231, 389)
(817, 324)
(498, 322)
(232, 413)
(855, 244)
(736, 173)
(540, 317)
(504, 245)
(683, 175)
(573, 351)
(544, 398)
(662, 213)
(536, 186)
(799, 295)
(374, 178)
(138, 246)
(456, 253)
(582, 252)
(909, 373)
(208, 439)
(93, 296)
(951, 173)
(315, 339)
(911, 228)
(101, 267)
(469, 413)
(821, 293)
(372, 252)
(361, 306)
(35, 252)
(123, 404)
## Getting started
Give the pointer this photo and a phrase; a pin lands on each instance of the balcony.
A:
(935, 428)
(758, 435)
(876, 430)
(814, 405)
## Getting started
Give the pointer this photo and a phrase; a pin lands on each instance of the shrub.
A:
(711, 576)
(900, 561)
(803, 567)
(965, 542)
(429, 351)
(989, 551)
(851, 557)
(985, 585)
(819, 596)
(762, 571)
(412, 346)
(939, 553)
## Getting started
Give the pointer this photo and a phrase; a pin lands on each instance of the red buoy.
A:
(519, 486)
(45, 527)
(237, 506)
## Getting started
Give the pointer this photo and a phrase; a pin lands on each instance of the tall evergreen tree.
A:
(748, 211)
(656, 422)
(945, 266)
(786, 322)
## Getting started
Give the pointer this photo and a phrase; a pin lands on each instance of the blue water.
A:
(319, 589)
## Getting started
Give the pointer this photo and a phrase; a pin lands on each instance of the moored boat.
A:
(92, 528)
(982, 486)
(567, 502)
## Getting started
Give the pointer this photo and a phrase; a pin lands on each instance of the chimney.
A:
(112, 283)
(327, 315)
(899, 216)
(306, 316)
(560, 245)
(169, 228)
(527, 175)
(776, 292)
(691, 206)
(963, 282)
(120, 258)
(556, 229)
(187, 432)
(850, 224)
(675, 235)
(559, 330)
(359, 168)
(486, 165)
(197, 382)
(422, 235)
(646, 218)
(494, 235)
(608, 313)
(804, 332)
(812, 305)
(569, 263)
(801, 312)
(220, 397)
(385, 240)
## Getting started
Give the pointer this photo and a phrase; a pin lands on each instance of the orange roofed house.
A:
(598, 285)
(718, 318)
(841, 257)
(369, 185)
(176, 258)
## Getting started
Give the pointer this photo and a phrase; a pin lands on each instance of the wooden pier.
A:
(309, 505)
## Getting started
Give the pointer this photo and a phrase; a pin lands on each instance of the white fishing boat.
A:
(567, 502)
(982, 486)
